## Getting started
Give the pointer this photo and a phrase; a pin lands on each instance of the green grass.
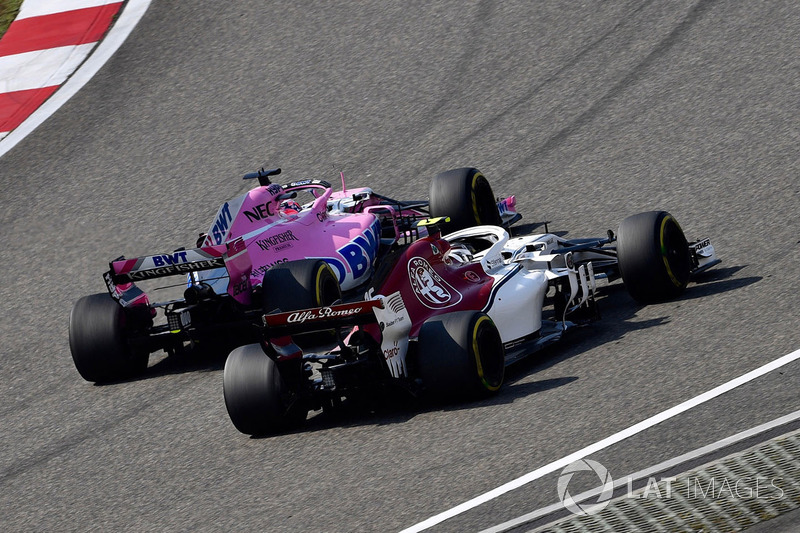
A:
(8, 11)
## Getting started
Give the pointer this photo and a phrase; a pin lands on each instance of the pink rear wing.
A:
(169, 264)
(232, 256)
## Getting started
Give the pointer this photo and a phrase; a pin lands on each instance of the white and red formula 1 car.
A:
(446, 315)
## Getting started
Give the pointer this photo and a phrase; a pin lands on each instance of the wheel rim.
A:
(327, 286)
(674, 251)
(485, 342)
(483, 201)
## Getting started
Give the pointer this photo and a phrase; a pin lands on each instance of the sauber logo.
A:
(429, 287)
(322, 312)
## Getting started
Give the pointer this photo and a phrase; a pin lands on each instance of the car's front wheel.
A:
(653, 256)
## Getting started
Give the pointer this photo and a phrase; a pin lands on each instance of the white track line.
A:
(647, 472)
(605, 443)
(131, 13)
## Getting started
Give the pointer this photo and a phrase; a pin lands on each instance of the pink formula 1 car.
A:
(351, 231)
(447, 314)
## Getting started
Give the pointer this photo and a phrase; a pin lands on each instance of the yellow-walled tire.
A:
(464, 195)
(460, 356)
(653, 256)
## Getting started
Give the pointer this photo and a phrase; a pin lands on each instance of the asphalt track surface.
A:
(589, 112)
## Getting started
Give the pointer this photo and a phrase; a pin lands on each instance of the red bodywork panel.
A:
(430, 286)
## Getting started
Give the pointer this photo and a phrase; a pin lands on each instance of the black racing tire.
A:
(98, 333)
(301, 284)
(464, 195)
(653, 256)
(258, 400)
(460, 356)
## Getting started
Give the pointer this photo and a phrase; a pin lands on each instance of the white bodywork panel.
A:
(395, 325)
(523, 269)
(516, 307)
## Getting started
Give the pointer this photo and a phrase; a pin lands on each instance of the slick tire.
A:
(464, 195)
(460, 356)
(258, 400)
(98, 334)
(653, 256)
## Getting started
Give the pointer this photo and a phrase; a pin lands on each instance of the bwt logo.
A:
(222, 224)
(587, 508)
(170, 259)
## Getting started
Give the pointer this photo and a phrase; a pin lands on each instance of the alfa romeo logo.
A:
(589, 507)
(429, 287)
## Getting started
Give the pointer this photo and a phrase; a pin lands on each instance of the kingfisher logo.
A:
(278, 241)
(430, 289)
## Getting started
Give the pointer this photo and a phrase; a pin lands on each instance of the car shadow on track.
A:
(191, 360)
(618, 312)
(717, 281)
(188, 361)
(398, 408)
(167, 365)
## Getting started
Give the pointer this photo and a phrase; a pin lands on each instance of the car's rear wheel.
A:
(302, 284)
(460, 356)
(464, 195)
(257, 397)
(653, 256)
(99, 330)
